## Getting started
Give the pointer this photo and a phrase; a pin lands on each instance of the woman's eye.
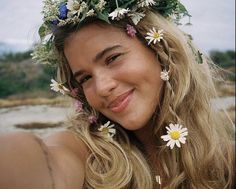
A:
(112, 58)
(84, 79)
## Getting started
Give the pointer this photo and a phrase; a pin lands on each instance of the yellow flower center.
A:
(60, 86)
(156, 35)
(175, 135)
(76, 6)
(105, 130)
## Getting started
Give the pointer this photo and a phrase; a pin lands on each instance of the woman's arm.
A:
(27, 162)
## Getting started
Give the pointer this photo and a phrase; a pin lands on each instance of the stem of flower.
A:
(117, 5)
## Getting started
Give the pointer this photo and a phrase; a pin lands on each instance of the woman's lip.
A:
(121, 102)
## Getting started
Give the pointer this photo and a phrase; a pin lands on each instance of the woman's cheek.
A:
(90, 96)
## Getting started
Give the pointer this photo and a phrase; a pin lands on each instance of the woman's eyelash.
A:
(112, 58)
(84, 79)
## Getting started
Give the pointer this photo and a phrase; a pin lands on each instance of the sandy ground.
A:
(224, 102)
(9, 117)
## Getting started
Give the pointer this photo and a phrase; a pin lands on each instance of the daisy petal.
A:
(177, 143)
(166, 137)
(182, 140)
(172, 144)
(169, 143)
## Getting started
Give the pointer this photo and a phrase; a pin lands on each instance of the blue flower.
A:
(55, 22)
(63, 11)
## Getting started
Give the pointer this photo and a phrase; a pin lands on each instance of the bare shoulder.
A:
(70, 141)
(35, 163)
(23, 161)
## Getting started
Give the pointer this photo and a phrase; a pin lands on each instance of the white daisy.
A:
(101, 5)
(165, 75)
(136, 17)
(108, 129)
(90, 13)
(154, 36)
(73, 6)
(58, 87)
(118, 13)
(146, 3)
(83, 6)
(175, 135)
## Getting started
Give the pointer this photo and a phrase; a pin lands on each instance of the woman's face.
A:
(119, 75)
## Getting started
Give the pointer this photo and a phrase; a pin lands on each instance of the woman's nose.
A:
(105, 85)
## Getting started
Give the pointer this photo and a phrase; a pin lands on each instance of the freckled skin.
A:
(135, 68)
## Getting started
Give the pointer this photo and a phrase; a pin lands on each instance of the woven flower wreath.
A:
(59, 13)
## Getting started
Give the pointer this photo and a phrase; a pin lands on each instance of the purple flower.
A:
(78, 106)
(74, 92)
(131, 31)
(63, 11)
(92, 119)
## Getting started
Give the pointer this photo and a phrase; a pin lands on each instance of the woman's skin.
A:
(120, 78)
(119, 75)
(27, 162)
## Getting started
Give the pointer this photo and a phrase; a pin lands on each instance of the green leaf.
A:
(183, 10)
(199, 57)
(42, 31)
(127, 4)
(103, 17)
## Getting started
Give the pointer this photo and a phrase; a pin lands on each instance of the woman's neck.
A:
(146, 137)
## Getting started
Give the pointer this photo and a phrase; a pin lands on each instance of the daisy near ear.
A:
(107, 129)
(58, 87)
(175, 135)
(165, 75)
(154, 36)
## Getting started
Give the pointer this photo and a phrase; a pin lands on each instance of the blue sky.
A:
(213, 22)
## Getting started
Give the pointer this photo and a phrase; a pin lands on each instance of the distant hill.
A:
(19, 75)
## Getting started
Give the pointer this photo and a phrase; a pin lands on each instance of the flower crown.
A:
(59, 13)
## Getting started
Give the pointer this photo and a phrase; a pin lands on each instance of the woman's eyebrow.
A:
(78, 73)
(97, 58)
(103, 52)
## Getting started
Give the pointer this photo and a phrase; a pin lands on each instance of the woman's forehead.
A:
(97, 31)
(97, 37)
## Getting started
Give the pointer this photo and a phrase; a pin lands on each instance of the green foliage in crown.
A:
(59, 13)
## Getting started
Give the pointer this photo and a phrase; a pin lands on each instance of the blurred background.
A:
(26, 102)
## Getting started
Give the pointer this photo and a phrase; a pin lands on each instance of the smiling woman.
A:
(118, 75)
(143, 99)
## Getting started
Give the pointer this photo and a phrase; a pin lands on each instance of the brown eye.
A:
(111, 59)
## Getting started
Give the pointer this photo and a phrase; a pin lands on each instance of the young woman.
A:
(144, 117)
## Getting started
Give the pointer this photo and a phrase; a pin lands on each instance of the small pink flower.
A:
(74, 92)
(92, 119)
(131, 31)
(78, 106)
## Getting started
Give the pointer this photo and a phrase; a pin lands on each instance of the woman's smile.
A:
(121, 102)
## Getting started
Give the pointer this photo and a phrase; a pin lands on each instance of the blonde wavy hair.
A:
(205, 162)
